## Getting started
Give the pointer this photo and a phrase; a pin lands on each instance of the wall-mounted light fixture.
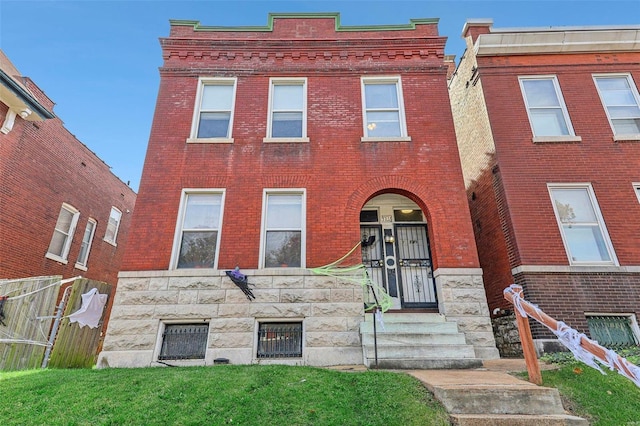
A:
(389, 239)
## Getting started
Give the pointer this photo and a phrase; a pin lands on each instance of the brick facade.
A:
(338, 171)
(512, 213)
(42, 166)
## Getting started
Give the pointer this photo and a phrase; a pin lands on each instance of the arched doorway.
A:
(395, 250)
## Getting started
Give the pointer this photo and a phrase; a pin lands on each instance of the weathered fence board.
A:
(23, 338)
(76, 347)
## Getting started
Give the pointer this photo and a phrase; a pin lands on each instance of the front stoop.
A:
(477, 397)
(416, 341)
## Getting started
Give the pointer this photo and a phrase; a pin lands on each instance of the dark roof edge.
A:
(28, 99)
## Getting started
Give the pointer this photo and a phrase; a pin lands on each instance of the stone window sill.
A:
(556, 139)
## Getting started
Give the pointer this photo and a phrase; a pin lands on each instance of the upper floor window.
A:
(213, 115)
(636, 188)
(383, 109)
(63, 233)
(198, 236)
(621, 102)
(287, 110)
(112, 226)
(582, 227)
(283, 229)
(545, 107)
(85, 247)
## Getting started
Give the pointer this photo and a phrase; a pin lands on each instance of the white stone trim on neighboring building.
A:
(566, 269)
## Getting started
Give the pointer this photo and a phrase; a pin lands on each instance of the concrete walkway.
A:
(491, 396)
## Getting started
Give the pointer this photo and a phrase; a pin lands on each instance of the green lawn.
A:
(228, 394)
(611, 400)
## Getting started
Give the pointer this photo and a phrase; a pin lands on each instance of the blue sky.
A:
(98, 60)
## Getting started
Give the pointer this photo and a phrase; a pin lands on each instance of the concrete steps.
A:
(516, 420)
(416, 341)
(477, 397)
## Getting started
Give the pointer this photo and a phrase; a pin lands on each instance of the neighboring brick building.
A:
(548, 128)
(62, 211)
(306, 138)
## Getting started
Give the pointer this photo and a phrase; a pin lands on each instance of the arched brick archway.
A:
(417, 192)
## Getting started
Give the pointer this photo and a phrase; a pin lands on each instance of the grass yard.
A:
(226, 394)
(611, 400)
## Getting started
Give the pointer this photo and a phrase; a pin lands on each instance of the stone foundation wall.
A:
(330, 310)
(505, 330)
(462, 298)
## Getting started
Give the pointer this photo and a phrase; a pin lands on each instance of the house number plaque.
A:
(388, 218)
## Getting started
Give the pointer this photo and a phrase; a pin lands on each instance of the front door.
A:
(395, 251)
(415, 275)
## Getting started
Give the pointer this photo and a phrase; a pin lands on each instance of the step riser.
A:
(407, 317)
(410, 327)
(415, 339)
(471, 400)
(425, 364)
(433, 351)
(517, 420)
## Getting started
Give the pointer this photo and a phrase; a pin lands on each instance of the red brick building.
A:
(548, 127)
(277, 149)
(62, 211)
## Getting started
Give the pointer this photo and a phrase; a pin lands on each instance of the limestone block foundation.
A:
(330, 310)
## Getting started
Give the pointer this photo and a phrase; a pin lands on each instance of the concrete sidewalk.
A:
(491, 396)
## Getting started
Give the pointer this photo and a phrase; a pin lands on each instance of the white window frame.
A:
(599, 221)
(212, 81)
(364, 81)
(115, 232)
(636, 189)
(69, 233)
(82, 263)
(287, 81)
(303, 220)
(636, 96)
(177, 239)
(571, 137)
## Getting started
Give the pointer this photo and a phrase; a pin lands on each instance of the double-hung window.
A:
(213, 113)
(383, 109)
(546, 109)
(287, 121)
(85, 247)
(113, 225)
(582, 227)
(622, 103)
(199, 223)
(283, 239)
(63, 233)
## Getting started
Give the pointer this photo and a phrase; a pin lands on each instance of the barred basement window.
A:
(184, 341)
(280, 340)
(612, 331)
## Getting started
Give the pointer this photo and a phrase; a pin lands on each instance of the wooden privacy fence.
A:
(583, 348)
(29, 324)
(27, 320)
(75, 346)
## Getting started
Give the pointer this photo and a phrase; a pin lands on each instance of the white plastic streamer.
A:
(572, 340)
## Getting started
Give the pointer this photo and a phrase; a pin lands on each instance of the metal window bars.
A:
(280, 340)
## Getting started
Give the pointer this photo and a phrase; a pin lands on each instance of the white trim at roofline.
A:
(558, 40)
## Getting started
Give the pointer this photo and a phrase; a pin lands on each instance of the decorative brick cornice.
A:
(331, 15)
(306, 50)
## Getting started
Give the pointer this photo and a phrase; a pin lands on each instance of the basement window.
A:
(280, 340)
(613, 331)
(184, 341)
